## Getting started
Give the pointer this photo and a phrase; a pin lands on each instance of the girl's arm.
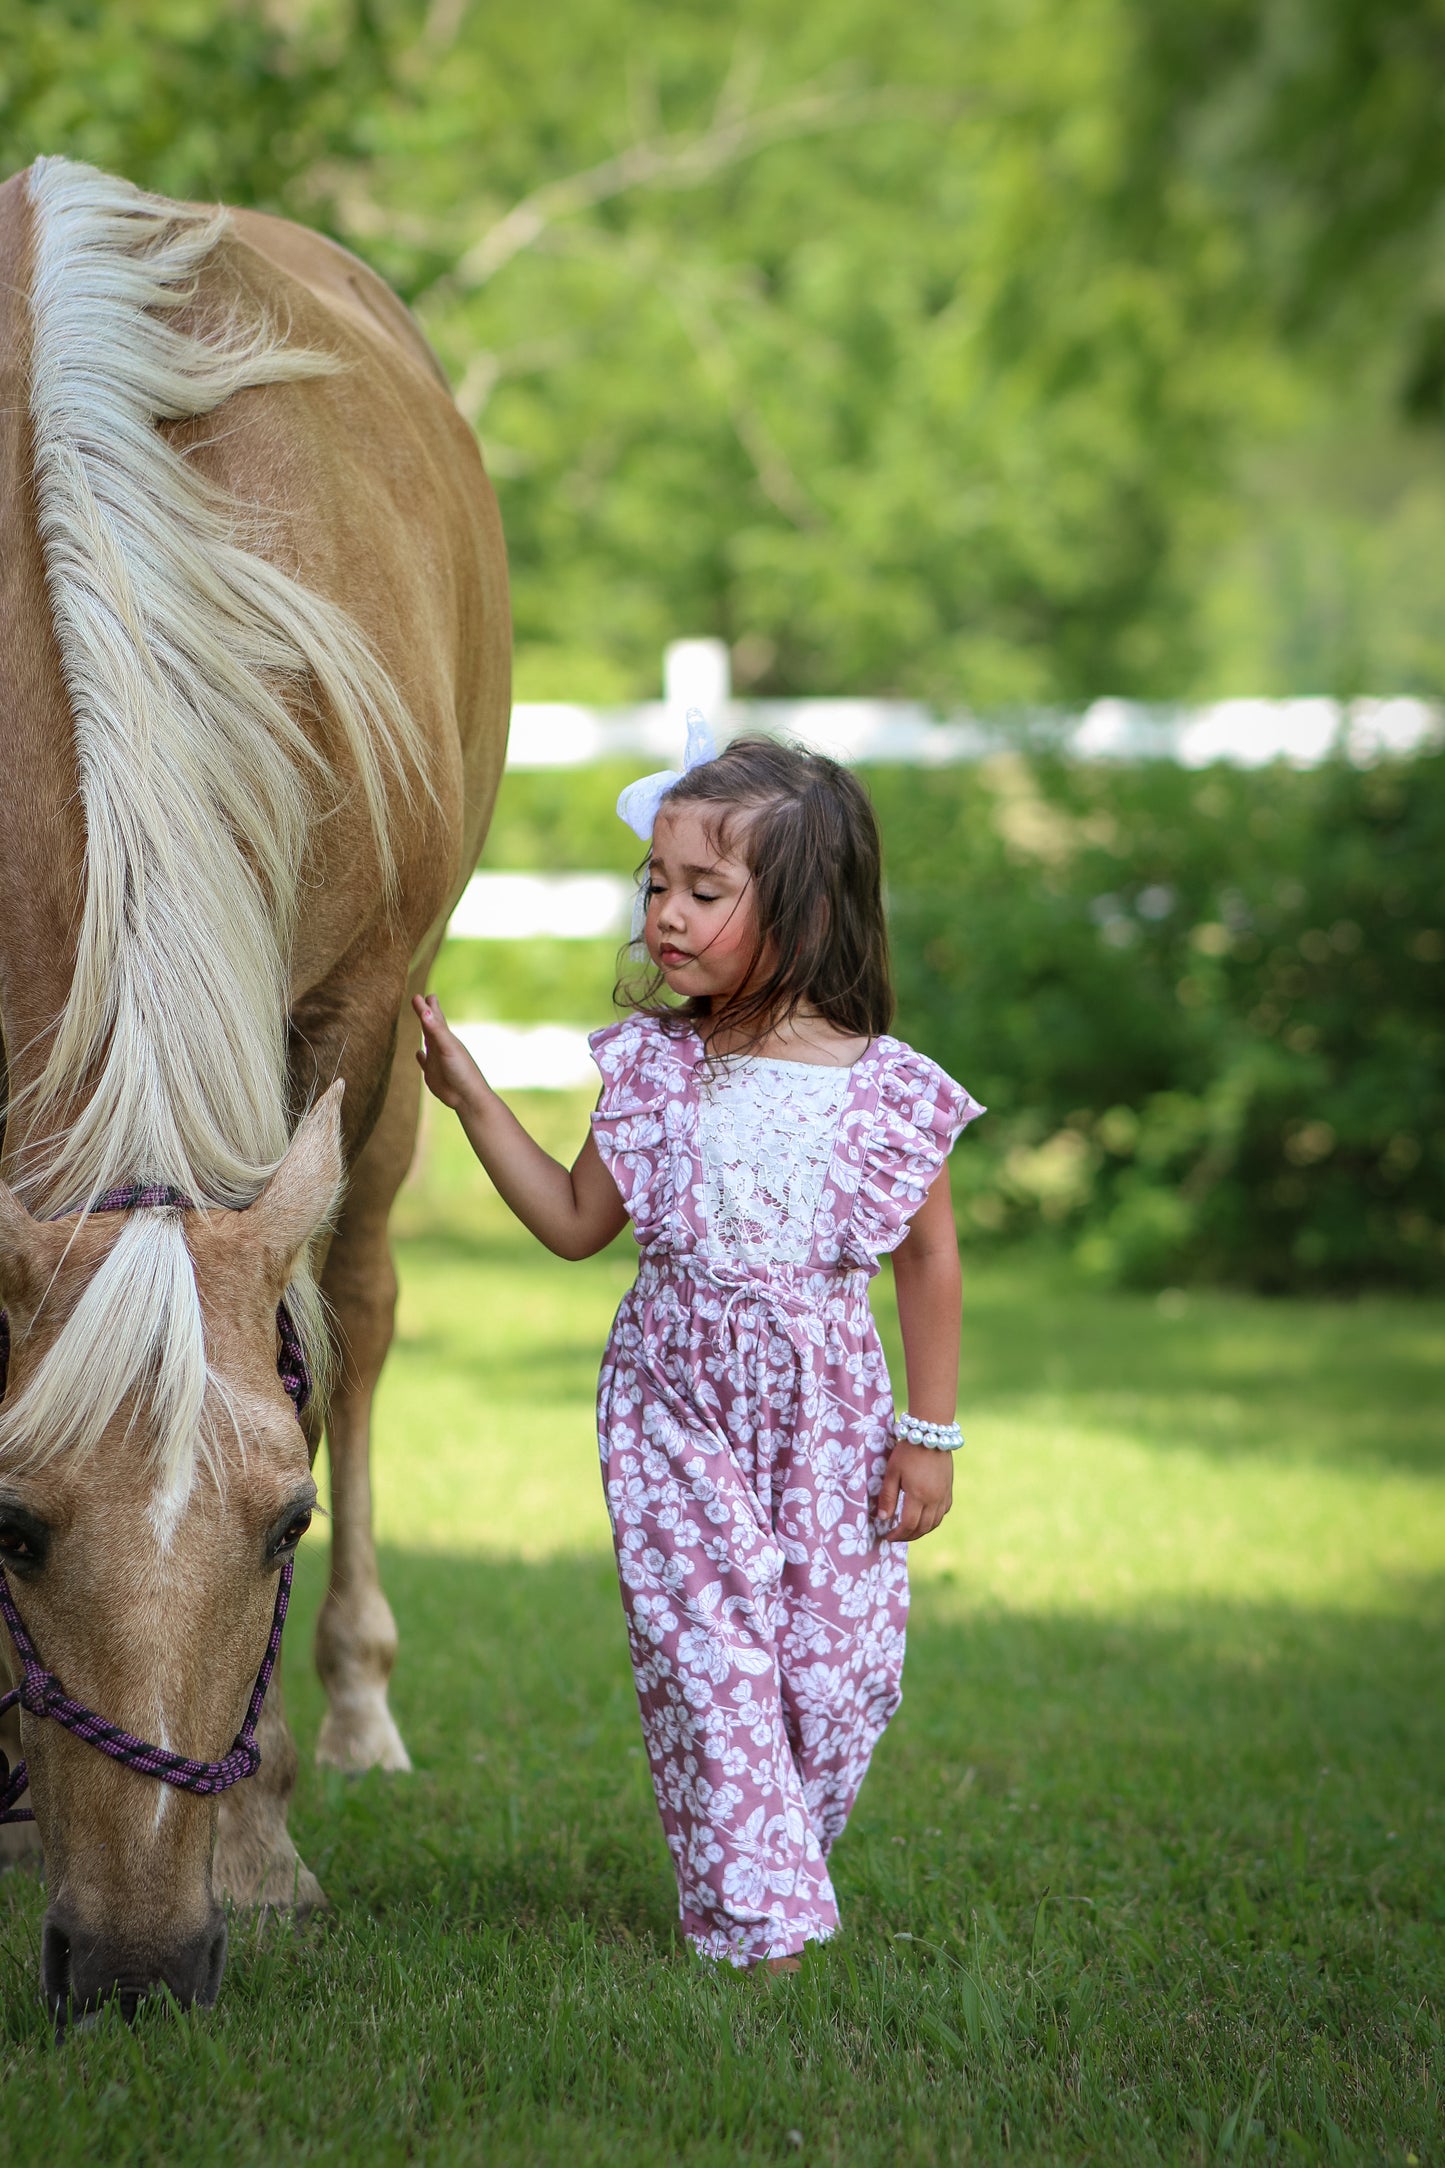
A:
(929, 1282)
(575, 1214)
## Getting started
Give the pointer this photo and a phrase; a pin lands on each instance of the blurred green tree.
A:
(235, 102)
(1002, 354)
(836, 346)
(832, 334)
(1312, 132)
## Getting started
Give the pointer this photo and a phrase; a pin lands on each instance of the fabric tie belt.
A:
(790, 1302)
(792, 1312)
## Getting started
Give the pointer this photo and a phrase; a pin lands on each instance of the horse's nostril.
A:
(55, 1970)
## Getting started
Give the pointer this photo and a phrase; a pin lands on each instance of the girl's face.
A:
(701, 928)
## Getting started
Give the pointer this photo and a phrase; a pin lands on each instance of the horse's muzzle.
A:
(80, 1973)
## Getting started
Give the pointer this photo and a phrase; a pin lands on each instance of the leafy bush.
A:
(1204, 1008)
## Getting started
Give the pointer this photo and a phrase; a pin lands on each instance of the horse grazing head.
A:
(154, 1479)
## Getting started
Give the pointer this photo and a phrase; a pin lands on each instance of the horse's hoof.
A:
(362, 1735)
(279, 1885)
(290, 1892)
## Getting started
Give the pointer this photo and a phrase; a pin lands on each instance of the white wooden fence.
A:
(594, 906)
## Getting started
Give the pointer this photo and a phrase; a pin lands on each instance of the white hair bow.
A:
(638, 804)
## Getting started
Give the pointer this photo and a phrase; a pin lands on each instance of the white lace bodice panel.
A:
(766, 1134)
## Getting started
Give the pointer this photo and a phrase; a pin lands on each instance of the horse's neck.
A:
(42, 832)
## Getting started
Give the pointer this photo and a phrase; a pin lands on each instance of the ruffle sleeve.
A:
(644, 1088)
(919, 1116)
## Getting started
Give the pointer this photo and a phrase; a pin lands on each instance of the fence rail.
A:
(1245, 733)
(598, 906)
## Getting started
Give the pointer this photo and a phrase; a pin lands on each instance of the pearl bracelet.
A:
(942, 1437)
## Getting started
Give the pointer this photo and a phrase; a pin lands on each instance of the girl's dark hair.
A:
(806, 831)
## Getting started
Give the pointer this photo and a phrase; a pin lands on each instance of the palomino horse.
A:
(254, 655)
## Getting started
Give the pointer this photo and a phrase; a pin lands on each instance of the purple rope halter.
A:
(40, 1693)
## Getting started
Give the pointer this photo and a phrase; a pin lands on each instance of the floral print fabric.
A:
(744, 1419)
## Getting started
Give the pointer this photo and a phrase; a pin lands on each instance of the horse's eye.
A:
(294, 1530)
(22, 1543)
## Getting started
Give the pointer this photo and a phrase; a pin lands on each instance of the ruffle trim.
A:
(644, 1072)
(918, 1118)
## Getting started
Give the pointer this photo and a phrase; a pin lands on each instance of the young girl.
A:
(770, 1144)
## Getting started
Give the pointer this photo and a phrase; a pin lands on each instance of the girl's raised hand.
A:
(451, 1074)
(921, 1481)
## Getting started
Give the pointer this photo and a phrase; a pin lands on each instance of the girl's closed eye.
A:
(699, 895)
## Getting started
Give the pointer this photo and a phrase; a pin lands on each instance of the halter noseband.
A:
(40, 1693)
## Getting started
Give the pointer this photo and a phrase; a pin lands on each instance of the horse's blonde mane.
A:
(180, 644)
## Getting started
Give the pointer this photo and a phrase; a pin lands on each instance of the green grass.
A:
(1151, 1867)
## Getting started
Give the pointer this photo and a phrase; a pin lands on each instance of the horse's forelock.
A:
(134, 1340)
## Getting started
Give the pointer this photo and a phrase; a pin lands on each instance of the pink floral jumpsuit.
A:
(744, 1417)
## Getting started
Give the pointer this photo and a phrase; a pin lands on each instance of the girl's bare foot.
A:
(776, 1965)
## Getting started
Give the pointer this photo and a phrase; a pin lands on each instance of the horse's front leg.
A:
(256, 1864)
(356, 1633)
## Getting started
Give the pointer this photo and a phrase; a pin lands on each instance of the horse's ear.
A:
(302, 1193)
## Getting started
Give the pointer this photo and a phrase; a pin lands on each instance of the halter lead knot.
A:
(39, 1692)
